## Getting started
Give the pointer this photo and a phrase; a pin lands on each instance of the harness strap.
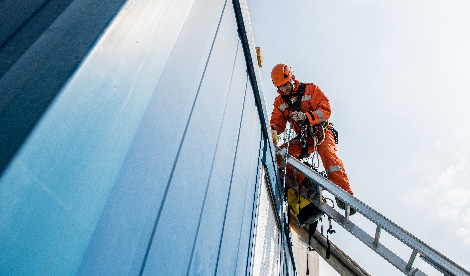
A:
(335, 132)
(296, 105)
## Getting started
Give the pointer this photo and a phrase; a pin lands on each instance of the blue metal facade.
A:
(133, 138)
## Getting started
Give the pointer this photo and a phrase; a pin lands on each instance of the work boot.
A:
(342, 206)
(308, 215)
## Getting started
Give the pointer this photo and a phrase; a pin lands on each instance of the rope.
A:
(315, 148)
(284, 201)
(285, 159)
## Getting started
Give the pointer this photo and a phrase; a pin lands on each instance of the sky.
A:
(397, 76)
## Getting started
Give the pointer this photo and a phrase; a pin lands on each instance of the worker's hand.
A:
(274, 135)
(299, 116)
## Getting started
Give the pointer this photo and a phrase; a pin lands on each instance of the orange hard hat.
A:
(281, 74)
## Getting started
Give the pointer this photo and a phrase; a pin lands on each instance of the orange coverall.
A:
(317, 108)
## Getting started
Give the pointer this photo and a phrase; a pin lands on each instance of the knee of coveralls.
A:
(294, 149)
(332, 164)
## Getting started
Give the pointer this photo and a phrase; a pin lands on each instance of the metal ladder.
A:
(428, 254)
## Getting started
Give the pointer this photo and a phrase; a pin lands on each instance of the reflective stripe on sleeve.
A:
(333, 169)
(306, 98)
(321, 117)
(283, 107)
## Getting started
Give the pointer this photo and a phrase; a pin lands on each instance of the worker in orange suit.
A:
(308, 110)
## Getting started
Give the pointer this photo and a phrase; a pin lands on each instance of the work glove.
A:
(299, 116)
(274, 135)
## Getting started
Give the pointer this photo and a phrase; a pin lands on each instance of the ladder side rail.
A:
(380, 220)
(357, 232)
(368, 240)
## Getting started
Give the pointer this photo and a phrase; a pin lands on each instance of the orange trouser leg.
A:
(327, 151)
(333, 165)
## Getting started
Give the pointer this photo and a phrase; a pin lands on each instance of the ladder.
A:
(428, 254)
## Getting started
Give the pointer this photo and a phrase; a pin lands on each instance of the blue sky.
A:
(397, 76)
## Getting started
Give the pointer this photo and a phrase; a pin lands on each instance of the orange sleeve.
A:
(321, 110)
(278, 121)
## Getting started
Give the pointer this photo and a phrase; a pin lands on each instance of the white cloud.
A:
(450, 198)
(458, 196)
(466, 217)
(453, 204)
(464, 234)
(446, 179)
(448, 213)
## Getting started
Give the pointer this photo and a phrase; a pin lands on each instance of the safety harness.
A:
(317, 132)
(295, 106)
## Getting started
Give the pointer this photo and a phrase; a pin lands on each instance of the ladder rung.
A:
(383, 251)
(412, 259)
(319, 199)
(378, 230)
(347, 211)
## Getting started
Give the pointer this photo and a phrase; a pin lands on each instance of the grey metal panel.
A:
(244, 28)
(235, 237)
(241, 11)
(276, 185)
(206, 244)
(22, 23)
(132, 143)
(32, 83)
(252, 183)
(14, 13)
(133, 205)
(186, 188)
(255, 211)
(269, 159)
(53, 193)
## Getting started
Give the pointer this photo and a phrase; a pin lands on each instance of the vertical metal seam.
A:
(231, 180)
(244, 202)
(212, 165)
(256, 91)
(255, 207)
(26, 21)
(157, 219)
